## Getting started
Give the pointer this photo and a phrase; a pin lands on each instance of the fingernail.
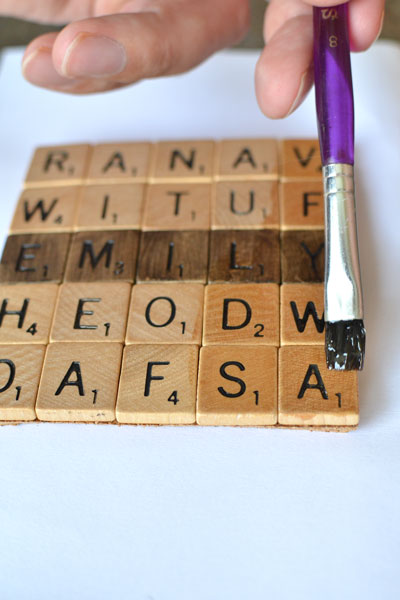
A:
(300, 93)
(38, 69)
(381, 25)
(93, 56)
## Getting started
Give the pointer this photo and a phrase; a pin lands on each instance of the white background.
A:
(157, 513)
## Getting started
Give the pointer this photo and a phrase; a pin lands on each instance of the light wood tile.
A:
(245, 313)
(173, 256)
(126, 161)
(46, 209)
(26, 312)
(303, 256)
(245, 205)
(177, 206)
(91, 312)
(158, 385)
(302, 314)
(311, 394)
(190, 160)
(247, 159)
(79, 382)
(102, 256)
(20, 370)
(302, 205)
(58, 165)
(168, 313)
(34, 257)
(300, 158)
(111, 206)
(237, 385)
(244, 256)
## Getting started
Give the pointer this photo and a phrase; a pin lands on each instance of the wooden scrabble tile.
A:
(46, 209)
(237, 385)
(245, 205)
(247, 159)
(26, 312)
(79, 382)
(190, 160)
(302, 256)
(177, 206)
(244, 256)
(120, 162)
(300, 159)
(111, 206)
(158, 385)
(91, 312)
(34, 257)
(167, 313)
(302, 314)
(244, 313)
(58, 165)
(102, 256)
(311, 394)
(173, 256)
(302, 205)
(20, 370)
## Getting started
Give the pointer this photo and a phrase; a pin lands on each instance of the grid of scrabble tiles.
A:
(173, 283)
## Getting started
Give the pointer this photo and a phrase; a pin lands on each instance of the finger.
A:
(123, 48)
(284, 74)
(365, 18)
(37, 64)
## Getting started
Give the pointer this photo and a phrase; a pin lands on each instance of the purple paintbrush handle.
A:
(333, 85)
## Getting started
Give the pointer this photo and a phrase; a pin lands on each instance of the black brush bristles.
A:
(345, 345)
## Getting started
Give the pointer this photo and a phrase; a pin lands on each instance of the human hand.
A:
(284, 73)
(112, 43)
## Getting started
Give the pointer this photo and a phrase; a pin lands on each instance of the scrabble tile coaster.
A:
(116, 163)
(302, 314)
(58, 165)
(173, 206)
(247, 159)
(110, 206)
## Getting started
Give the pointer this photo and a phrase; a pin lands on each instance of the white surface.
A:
(93, 512)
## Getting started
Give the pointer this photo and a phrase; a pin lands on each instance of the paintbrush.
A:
(344, 326)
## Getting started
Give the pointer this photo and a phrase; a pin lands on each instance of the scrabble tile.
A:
(46, 209)
(112, 163)
(58, 165)
(111, 206)
(302, 314)
(20, 370)
(244, 313)
(173, 256)
(190, 160)
(247, 159)
(79, 382)
(34, 257)
(302, 205)
(311, 394)
(237, 385)
(158, 385)
(167, 313)
(300, 159)
(244, 256)
(177, 206)
(302, 256)
(26, 312)
(91, 312)
(245, 205)
(102, 256)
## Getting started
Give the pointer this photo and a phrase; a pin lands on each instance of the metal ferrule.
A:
(343, 293)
